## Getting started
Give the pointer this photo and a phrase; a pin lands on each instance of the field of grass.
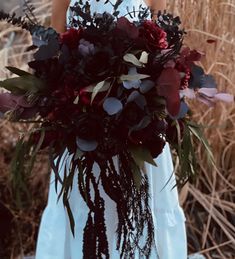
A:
(209, 203)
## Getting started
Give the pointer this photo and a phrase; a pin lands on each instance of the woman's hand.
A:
(58, 18)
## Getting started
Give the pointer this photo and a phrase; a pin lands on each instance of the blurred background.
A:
(208, 203)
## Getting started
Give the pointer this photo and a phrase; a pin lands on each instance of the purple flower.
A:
(86, 48)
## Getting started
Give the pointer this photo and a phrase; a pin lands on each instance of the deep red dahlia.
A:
(156, 37)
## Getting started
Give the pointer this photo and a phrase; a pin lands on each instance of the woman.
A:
(55, 240)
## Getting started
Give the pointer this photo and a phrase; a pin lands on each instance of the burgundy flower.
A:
(71, 37)
(155, 37)
(89, 126)
(129, 28)
(168, 86)
(149, 133)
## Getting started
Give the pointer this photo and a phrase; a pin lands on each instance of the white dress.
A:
(55, 240)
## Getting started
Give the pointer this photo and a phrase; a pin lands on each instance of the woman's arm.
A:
(157, 5)
(58, 18)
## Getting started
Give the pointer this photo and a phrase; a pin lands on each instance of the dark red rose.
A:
(89, 126)
(155, 37)
(99, 66)
(155, 146)
(71, 37)
(149, 133)
(131, 115)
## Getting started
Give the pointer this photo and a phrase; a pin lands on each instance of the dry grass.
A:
(209, 202)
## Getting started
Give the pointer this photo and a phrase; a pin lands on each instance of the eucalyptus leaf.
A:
(112, 105)
(86, 145)
(131, 58)
(100, 87)
(146, 85)
(133, 77)
(138, 98)
(76, 100)
(144, 57)
(141, 125)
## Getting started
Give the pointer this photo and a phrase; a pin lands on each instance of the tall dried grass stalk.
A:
(209, 202)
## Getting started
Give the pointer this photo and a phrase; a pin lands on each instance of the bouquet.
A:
(109, 89)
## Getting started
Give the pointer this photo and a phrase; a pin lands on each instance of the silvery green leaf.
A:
(76, 100)
(138, 98)
(130, 58)
(133, 96)
(146, 85)
(131, 84)
(112, 105)
(141, 101)
(141, 125)
(133, 77)
(144, 57)
(100, 87)
(86, 145)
